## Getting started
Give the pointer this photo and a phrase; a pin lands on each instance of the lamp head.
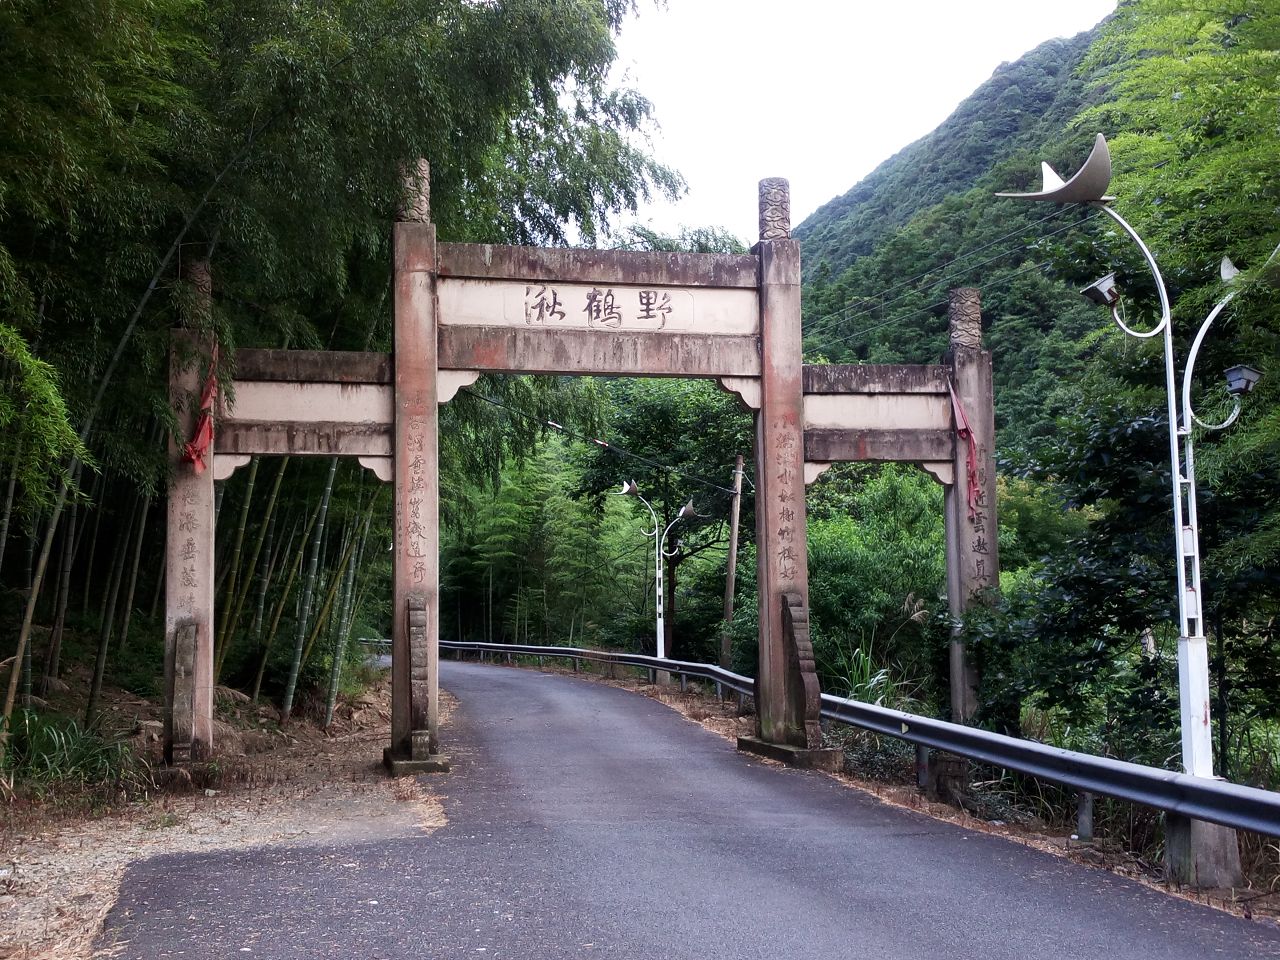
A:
(629, 489)
(1103, 292)
(1241, 378)
(687, 511)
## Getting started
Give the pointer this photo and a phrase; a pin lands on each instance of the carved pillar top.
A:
(775, 209)
(417, 207)
(196, 272)
(964, 310)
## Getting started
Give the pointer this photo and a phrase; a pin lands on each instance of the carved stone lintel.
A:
(225, 464)
(964, 310)
(812, 471)
(775, 209)
(417, 207)
(383, 467)
(746, 389)
(802, 675)
(449, 382)
(942, 471)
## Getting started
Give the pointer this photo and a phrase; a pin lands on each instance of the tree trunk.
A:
(53, 656)
(8, 501)
(96, 506)
(108, 618)
(346, 618)
(133, 570)
(270, 553)
(231, 618)
(304, 617)
(233, 573)
(294, 566)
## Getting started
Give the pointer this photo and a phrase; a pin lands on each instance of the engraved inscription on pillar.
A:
(981, 535)
(964, 310)
(787, 473)
(419, 685)
(775, 209)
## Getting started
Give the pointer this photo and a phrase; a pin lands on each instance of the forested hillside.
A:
(137, 136)
(1024, 105)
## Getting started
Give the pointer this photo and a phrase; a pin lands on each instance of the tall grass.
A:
(55, 757)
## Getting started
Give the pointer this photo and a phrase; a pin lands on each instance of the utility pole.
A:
(734, 507)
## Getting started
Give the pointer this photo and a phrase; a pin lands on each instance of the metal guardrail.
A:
(1218, 801)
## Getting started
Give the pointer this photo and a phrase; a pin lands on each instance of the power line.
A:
(934, 306)
(603, 444)
(888, 303)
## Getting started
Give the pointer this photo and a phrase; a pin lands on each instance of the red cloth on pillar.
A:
(196, 450)
(964, 432)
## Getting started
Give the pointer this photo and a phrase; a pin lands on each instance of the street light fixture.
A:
(631, 489)
(1089, 185)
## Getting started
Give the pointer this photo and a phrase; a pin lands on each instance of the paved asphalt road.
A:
(585, 821)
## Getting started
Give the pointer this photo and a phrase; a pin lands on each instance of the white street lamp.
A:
(1089, 186)
(630, 489)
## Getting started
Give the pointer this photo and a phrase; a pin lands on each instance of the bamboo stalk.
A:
(232, 620)
(108, 618)
(133, 572)
(8, 500)
(233, 568)
(294, 567)
(304, 617)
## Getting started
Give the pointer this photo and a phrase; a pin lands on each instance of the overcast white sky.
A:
(817, 91)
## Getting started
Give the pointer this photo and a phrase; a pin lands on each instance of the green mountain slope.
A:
(1024, 104)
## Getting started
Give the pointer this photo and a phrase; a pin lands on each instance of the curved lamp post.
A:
(630, 489)
(1089, 186)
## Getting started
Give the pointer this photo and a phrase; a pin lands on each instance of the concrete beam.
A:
(641, 268)
(876, 378)
(540, 350)
(312, 366)
(904, 446)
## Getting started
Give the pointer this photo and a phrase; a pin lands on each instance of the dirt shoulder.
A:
(299, 786)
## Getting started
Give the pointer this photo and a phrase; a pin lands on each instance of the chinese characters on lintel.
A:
(604, 308)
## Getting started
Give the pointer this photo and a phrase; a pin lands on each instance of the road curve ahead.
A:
(586, 821)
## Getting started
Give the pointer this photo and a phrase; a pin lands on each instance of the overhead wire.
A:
(881, 305)
(934, 306)
(603, 444)
(963, 256)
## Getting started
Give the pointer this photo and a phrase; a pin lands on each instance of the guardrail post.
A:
(922, 766)
(684, 683)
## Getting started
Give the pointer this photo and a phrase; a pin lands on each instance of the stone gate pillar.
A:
(415, 662)
(189, 573)
(787, 695)
(973, 562)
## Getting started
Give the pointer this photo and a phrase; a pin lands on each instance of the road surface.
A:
(586, 821)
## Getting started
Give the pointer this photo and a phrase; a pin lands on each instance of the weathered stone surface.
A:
(804, 696)
(1201, 854)
(775, 209)
(830, 759)
(189, 573)
(541, 350)
(636, 267)
(782, 567)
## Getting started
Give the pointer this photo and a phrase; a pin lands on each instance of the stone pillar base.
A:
(409, 766)
(1200, 854)
(830, 759)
